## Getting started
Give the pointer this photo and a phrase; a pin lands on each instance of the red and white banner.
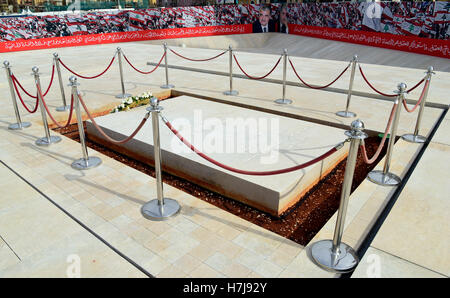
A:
(401, 26)
(83, 40)
(426, 46)
(138, 16)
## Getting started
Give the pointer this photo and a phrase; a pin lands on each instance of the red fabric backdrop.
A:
(83, 40)
(427, 46)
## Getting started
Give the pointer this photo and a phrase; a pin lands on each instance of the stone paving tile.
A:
(86, 216)
(379, 264)
(228, 232)
(442, 135)
(201, 252)
(268, 269)
(156, 265)
(138, 233)
(228, 248)
(249, 259)
(203, 271)
(58, 260)
(46, 239)
(423, 206)
(174, 252)
(187, 263)
(236, 270)
(157, 244)
(303, 267)
(7, 256)
(217, 261)
(15, 227)
(281, 259)
(254, 275)
(172, 272)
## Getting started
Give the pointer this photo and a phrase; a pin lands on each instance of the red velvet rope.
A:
(27, 93)
(384, 94)
(103, 133)
(31, 111)
(144, 72)
(256, 78)
(85, 77)
(419, 101)
(48, 111)
(51, 80)
(317, 87)
(417, 85)
(21, 87)
(254, 173)
(380, 146)
(197, 60)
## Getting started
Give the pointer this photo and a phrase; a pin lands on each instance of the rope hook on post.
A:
(283, 100)
(65, 106)
(48, 139)
(334, 255)
(384, 177)
(347, 113)
(19, 124)
(122, 84)
(86, 162)
(160, 208)
(231, 91)
(415, 137)
(167, 85)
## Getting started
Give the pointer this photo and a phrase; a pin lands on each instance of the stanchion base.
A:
(47, 142)
(343, 262)
(380, 178)
(231, 92)
(346, 114)
(414, 139)
(123, 96)
(283, 101)
(152, 211)
(168, 86)
(62, 108)
(83, 164)
(17, 126)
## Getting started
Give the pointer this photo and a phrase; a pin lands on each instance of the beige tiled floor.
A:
(203, 241)
(377, 263)
(183, 246)
(42, 240)
(417, 228)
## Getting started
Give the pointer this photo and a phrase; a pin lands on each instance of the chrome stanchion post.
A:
(384, 177)
(19, 124)
(86, 162)
(334, 255)
(416, 138)
(48, 139)
(283, 100)
(122, 84)
(231, 91)
(347, 113)
(167, 85)
(160, 208)
(64, 107)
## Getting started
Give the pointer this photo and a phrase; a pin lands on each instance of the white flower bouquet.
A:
(133, 101)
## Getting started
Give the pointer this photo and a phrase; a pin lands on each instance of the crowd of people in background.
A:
(423, 19)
